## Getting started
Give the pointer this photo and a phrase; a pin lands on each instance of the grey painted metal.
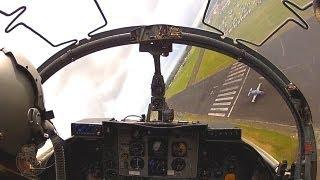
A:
(32, 73)
(17, 95)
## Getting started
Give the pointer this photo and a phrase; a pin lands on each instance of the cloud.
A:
(83, 88)
(113, 82)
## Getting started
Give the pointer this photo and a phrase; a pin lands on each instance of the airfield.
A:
(225, 93)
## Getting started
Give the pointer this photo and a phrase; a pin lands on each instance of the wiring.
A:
(44, 168)
(286, 3)
(125, 118)
(303, 24)
(207, 24)
(22, 10)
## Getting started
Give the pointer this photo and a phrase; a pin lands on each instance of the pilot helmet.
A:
(21, 104)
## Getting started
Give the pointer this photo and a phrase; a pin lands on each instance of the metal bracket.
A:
(155, 32)
(156, 39)
(1, 137)
(35, 122)
(302, 107)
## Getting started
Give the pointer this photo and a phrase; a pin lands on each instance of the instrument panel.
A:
(152, 151)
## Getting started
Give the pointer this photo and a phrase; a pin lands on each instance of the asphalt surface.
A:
(196, 99)
(297, 54)
(226, 95)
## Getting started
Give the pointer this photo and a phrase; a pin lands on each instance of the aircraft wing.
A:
(254, 98)
(258, 88)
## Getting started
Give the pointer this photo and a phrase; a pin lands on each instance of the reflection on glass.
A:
(251, 20)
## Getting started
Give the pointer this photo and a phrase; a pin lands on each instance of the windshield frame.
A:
(306, 156)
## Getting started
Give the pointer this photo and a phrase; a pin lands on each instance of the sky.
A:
(110, 83)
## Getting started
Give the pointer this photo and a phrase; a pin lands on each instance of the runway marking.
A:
(219, 109)
(235, 77)
(230, 82)
(229, 89)
(234, 103)
(224, 98)
(236, 69)
(222, 104)
(283, 51)
(237, 65)
(290, 67)
(230, 75)
(217, 114)
(227, 93)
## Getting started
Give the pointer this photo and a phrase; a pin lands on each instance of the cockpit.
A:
(204, 102)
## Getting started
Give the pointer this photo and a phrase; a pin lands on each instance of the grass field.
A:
(281, 145)
(280, 142)
(182, 78)
(212, 62)
(261, 22)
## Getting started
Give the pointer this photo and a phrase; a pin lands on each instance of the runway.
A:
(226, 95)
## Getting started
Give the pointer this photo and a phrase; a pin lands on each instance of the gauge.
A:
(124, 156)
(217, 172)
(137, 134)
(178, 164)
(205, 173)
(157, 167)
(217, 169)
(179, 149)
(137, 163)
(110, 164)
(136, 149)
(109, 153)
(231, 163)
(94, 171)
(158, 148)
(111, 173)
